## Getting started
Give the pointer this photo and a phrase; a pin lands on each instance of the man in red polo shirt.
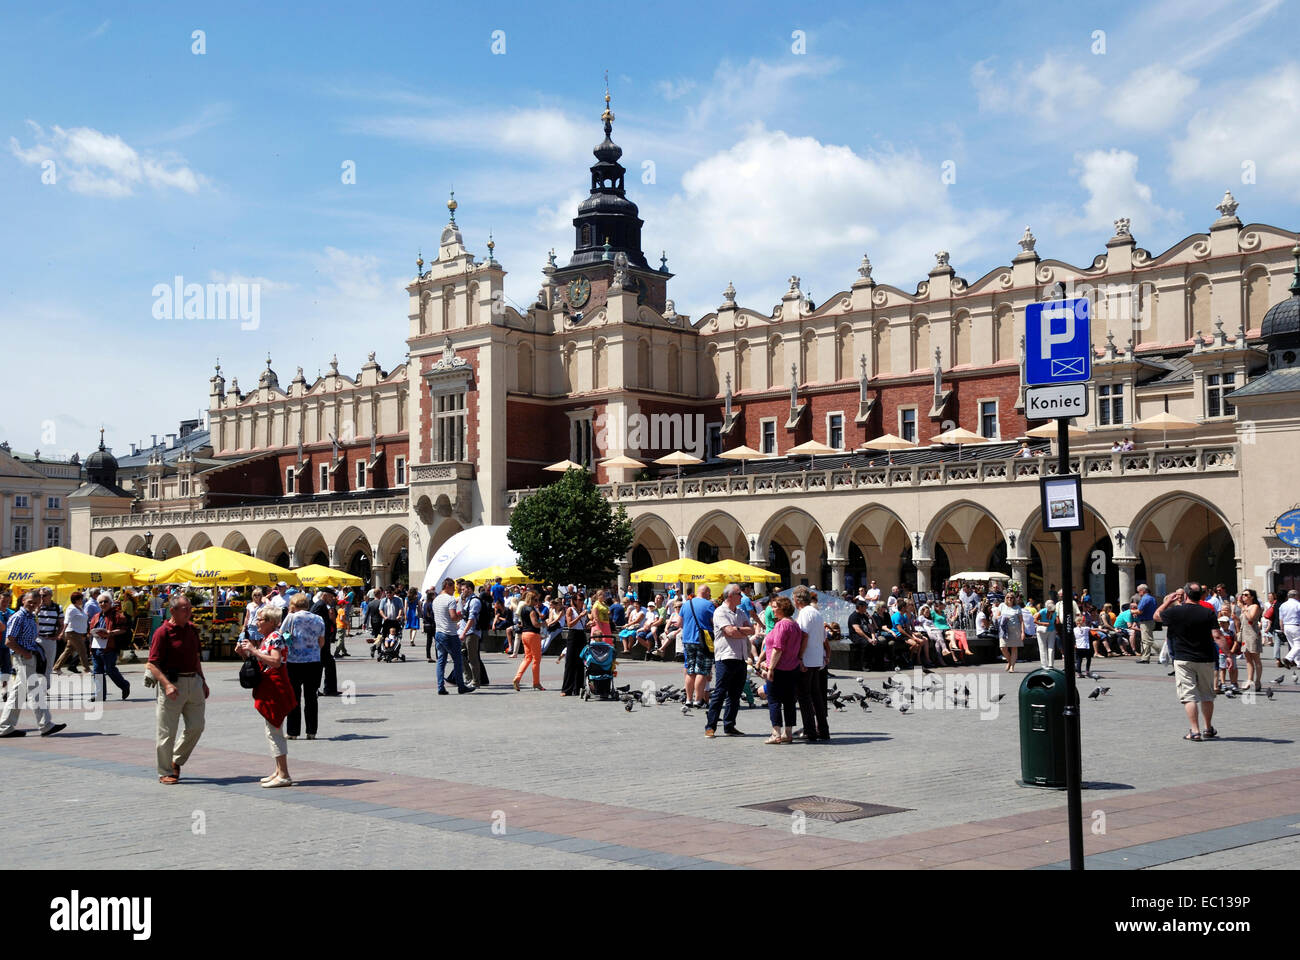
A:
(175, 663)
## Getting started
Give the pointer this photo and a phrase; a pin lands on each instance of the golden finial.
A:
(451, 205)
(608, 115)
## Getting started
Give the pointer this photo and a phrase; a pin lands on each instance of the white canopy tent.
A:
(467, 551)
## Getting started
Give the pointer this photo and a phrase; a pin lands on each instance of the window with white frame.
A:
(399, 471)
(54, 536)
(290, 475)
(767, 437)
(835, 430)
(361, 474)
(53, 503)
(324, 485)
(1110, 404)
(20, 501)
(22, 542)
(184, 484)
(153, 488)
(1217, 387)
(989, 419)
(907, 423)
(449, 427)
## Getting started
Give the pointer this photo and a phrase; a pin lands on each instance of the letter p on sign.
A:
(1048, 339)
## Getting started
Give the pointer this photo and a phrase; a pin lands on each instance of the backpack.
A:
(485, 612)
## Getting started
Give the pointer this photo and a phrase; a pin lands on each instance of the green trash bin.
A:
(1042, 729)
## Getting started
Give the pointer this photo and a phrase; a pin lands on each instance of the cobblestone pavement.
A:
(402, 777)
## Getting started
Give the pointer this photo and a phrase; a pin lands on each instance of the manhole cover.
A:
(826, 808)
(362, 720)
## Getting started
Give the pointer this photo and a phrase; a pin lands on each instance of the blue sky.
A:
(227, 165)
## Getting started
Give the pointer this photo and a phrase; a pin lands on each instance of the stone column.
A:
(1020, 572)
(293, 558)
(837, 573)
(378, 574)
(333, 556)
(624, 573)
(923, 575)
(1127, 578)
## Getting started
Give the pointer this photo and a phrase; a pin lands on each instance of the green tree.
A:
(567, 532)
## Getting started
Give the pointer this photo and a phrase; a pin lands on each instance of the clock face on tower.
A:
(579, 291)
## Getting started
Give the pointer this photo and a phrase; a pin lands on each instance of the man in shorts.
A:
(697, 617)
(1193, 638)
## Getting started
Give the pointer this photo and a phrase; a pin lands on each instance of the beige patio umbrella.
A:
(742, 453)
(623, 463)
(1048, 430)
(810, 449)
(1164, 422)
(959, 436)
(888, 442)
(678, 459)
(564, 466)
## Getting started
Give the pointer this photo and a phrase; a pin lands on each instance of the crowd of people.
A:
(743, 645)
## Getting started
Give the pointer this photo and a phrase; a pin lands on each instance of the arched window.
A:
(448, 307)
(471, 316)
(570, 367)
(600, 363)
(809, 357)
(644, 371)
(921, 344)
(585, 239)
(1257, 297)
(844, 353)
(880, 349)
(524, 368)
(1198, 308)
(960, 350)
(1004, 331)
(712, 372)
(775, 361)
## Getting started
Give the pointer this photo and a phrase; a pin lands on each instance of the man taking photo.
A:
(1193, 638)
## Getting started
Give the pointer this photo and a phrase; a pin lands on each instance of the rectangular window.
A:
(153, 488)
(989, 419)
(582, 441)
(21, 542)
(1218, 386)
(324, 486)
(907, 424)
(184, 485)
(54, 536)
(289, 479)
(449, 428)
(835, 431)
(399, 471)
(361, 474)
(53, 503)
(767, 444)
(1110, 404)
(20, 502)
(713, 441)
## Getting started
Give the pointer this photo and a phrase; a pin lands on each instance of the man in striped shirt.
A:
(22, 636)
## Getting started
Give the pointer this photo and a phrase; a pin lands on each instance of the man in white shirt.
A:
(277, 596)
(811, 680)
(872, 595)
(732, 633)
(445, 615)
(1288, 615)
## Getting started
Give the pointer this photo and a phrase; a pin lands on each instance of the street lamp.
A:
(145, 551)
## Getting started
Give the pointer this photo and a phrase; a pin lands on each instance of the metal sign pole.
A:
(1073, 741)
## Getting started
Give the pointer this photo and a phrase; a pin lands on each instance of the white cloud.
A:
(1258, 123)
(675, 89)
(543, 131)
(1152, 98)
(99, 164)
(746, 93)
(775, 204)
(1114, 191)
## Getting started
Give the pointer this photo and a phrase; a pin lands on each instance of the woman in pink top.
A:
(782, 656)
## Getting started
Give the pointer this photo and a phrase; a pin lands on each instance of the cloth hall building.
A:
(374, 472)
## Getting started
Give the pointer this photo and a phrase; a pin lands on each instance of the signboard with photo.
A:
(1062, 503)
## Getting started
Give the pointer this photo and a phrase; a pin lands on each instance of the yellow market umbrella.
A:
(217, 566)
(888, 442)
(684, 570)
(742, 453)
(510, 575)
(319, 575)
(733, 571)
(137, 563)
(564, 466)
(59, 566)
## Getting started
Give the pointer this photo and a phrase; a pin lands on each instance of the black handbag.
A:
(250, 674)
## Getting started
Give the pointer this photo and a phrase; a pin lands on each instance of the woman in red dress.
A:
(273, 697)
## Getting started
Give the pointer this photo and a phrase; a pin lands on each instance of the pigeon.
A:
(686, 711)
(1279, 679)
(625, 688)
(998, 697)
(1170, 673)
(863, 705)
(1095, 694)
(903, 708)
(627, 705)
(927, 670)
(1230, 695)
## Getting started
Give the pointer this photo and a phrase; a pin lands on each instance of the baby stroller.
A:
(598, 663)
(389, 650)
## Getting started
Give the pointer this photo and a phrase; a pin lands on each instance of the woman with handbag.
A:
(273, 695)
(530, 626)
(575, 638)
(781, 662)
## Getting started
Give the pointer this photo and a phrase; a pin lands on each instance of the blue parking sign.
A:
(1058, 342)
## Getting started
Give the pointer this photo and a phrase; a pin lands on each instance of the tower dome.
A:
(101, 466)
